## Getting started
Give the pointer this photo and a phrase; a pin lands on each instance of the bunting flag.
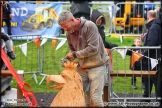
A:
(122, 52)
(37, 42)
(54, 42)
(23, 48)
(135, 57)
(43, 41)
(60, 44)
(154, 62)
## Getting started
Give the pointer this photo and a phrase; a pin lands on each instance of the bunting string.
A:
(23, 46)
(141, 54)
(123, 51)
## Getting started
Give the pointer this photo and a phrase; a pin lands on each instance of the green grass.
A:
(52, 65)
(33, 63)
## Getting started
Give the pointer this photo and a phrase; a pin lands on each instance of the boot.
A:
(10, 53)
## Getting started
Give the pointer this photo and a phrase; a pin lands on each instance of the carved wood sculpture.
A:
(69, 82)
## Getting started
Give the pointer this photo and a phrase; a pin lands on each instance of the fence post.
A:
(19, 92)
(105, 96)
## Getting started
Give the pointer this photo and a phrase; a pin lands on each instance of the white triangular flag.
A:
(23, 47)
(60, 44)
(154, 62)
(122, 52)
(43, 41)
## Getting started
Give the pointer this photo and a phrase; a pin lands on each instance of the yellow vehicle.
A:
(43, 17)
(130, 17)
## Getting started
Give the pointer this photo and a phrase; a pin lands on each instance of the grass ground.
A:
(51, 64)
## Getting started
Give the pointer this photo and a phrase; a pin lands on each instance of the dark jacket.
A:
(6, 11)
(80, 7)
(95, 15)
(137, 64)
(153, 38)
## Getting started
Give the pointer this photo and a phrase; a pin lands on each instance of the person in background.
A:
(7, 39)
(137, 64)
(86, 45)
(9, 44)
(152, 38)
(80, 8)
(98, 18)
(158, 10)
(7, 16)
(148, 6)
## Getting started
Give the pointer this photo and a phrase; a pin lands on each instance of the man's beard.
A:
(72, 30)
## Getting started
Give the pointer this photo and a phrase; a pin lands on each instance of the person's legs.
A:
(143, 83)
(152, 82)
(158, 84)
(97, 78)
(84, 74)
(148, 86)
(133, 82)
(9, 45)
(8, 24)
